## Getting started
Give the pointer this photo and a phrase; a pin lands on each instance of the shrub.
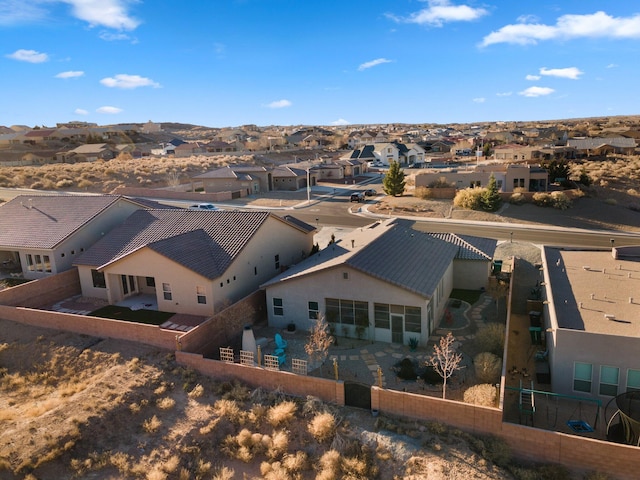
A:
(228, 409)
(406, 369)
(483, 394)
(560, 200)
(152, 424)
(296, 462)
(281, 413)
(196, 392)
(491, 338)
(517, 198)
(542, 199)
(488, 367)
(166, 403)
(64, 183)
(322, 426)
(423, 193)
(469, 198)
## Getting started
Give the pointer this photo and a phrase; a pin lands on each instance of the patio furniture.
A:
(280, 342)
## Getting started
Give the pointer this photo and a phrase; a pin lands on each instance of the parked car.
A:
(204, 206)
(370, 192)
(357, 197)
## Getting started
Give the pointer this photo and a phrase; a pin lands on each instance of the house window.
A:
(347, 312)
(98, 279)
(166, 291)
(201, 294)
(313, 310)
(582, 377)
(38, 263)
(412, 319)
(515, 183)
(277, 261)
(633, 380)
(151, 282)
(255, 270)
(381, 316)
(278, 307)
(609, 381)
(30, 265)
(47, 263)
(345, 275)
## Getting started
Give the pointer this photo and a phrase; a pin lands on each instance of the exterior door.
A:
(128, 284)
(397, 331)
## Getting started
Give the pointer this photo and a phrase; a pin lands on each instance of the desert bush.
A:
(295, 462)
(483, 394)
(224, 473)
(491, 448)
(151, 425)
(196, 392)
(560, 200)
(488, 367)
(542, 199)
(85, 184)
(228, 409)
(64, 183)
(469, 198)
(171, 464)
(282, 413)
(491, 338)
(322, 426)
(423, 193)
(517, 198)
(166, 403)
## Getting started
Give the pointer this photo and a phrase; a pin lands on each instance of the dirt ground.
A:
(74, 406)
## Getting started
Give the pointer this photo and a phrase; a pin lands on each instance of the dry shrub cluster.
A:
(483, 394)
(488, 367)
(104, 176)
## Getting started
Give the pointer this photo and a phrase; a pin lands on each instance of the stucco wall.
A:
(298, 385)
(174, 195)
(471, 274)
(43, 291)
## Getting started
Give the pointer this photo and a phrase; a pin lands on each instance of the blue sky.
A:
(287, 62)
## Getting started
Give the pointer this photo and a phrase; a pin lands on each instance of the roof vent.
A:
(609, 316)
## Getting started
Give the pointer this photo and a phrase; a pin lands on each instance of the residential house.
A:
(193, 262)
(190, 148)
(8, 139)
(386, 282)
(246, 179)
(385, 153)
(293, 178)
(591, 320)
(90, 152)
(39, 157)
(38, 135)
(42, 235)
(216, 146)
(586, 147)
(529, 178)
(514, 153)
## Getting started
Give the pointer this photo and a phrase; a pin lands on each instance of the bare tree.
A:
(173, 179)
(320, 339)
(445, 360)
(497, 289)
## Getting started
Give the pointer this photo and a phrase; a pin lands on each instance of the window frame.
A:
(166, 291)
(582, 381)
(278, 306)
(608, 389)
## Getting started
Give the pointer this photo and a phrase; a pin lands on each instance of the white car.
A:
(210, 207)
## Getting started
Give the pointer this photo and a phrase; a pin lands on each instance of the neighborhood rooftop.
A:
(43, 221)
(593, 291)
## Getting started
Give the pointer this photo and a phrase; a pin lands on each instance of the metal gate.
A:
(357, 395)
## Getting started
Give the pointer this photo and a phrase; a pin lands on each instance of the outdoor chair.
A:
(280, 342)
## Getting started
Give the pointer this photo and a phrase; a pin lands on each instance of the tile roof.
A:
(43, 221)
(230, 172)
(204, 242)
(394, 251)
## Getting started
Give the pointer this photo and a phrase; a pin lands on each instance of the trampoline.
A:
(627, 428)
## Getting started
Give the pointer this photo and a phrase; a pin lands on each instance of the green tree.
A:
(557, 170)
(393, 183)
(491, 198)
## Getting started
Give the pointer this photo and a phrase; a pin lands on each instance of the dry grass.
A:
(282, 413)
(322, 426)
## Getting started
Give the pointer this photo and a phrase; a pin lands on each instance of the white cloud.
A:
(30, 56)
(117, 37)
(612, 65)
(341, 121)
(373, 63)
(125, 81)
(504, 94)
(536, 92)
(107, 13)
(70, 74)
(479, 100)
(109, 110)
(80, 111)
(440, 12)
(567, 27)
(18, 11)
(532, 78)
(572, 73)
(279, 104)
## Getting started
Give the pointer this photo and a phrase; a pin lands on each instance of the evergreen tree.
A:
(491, 198)
(393, 182)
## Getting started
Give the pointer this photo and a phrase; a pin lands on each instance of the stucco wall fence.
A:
(199, 197)
(330, 391)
